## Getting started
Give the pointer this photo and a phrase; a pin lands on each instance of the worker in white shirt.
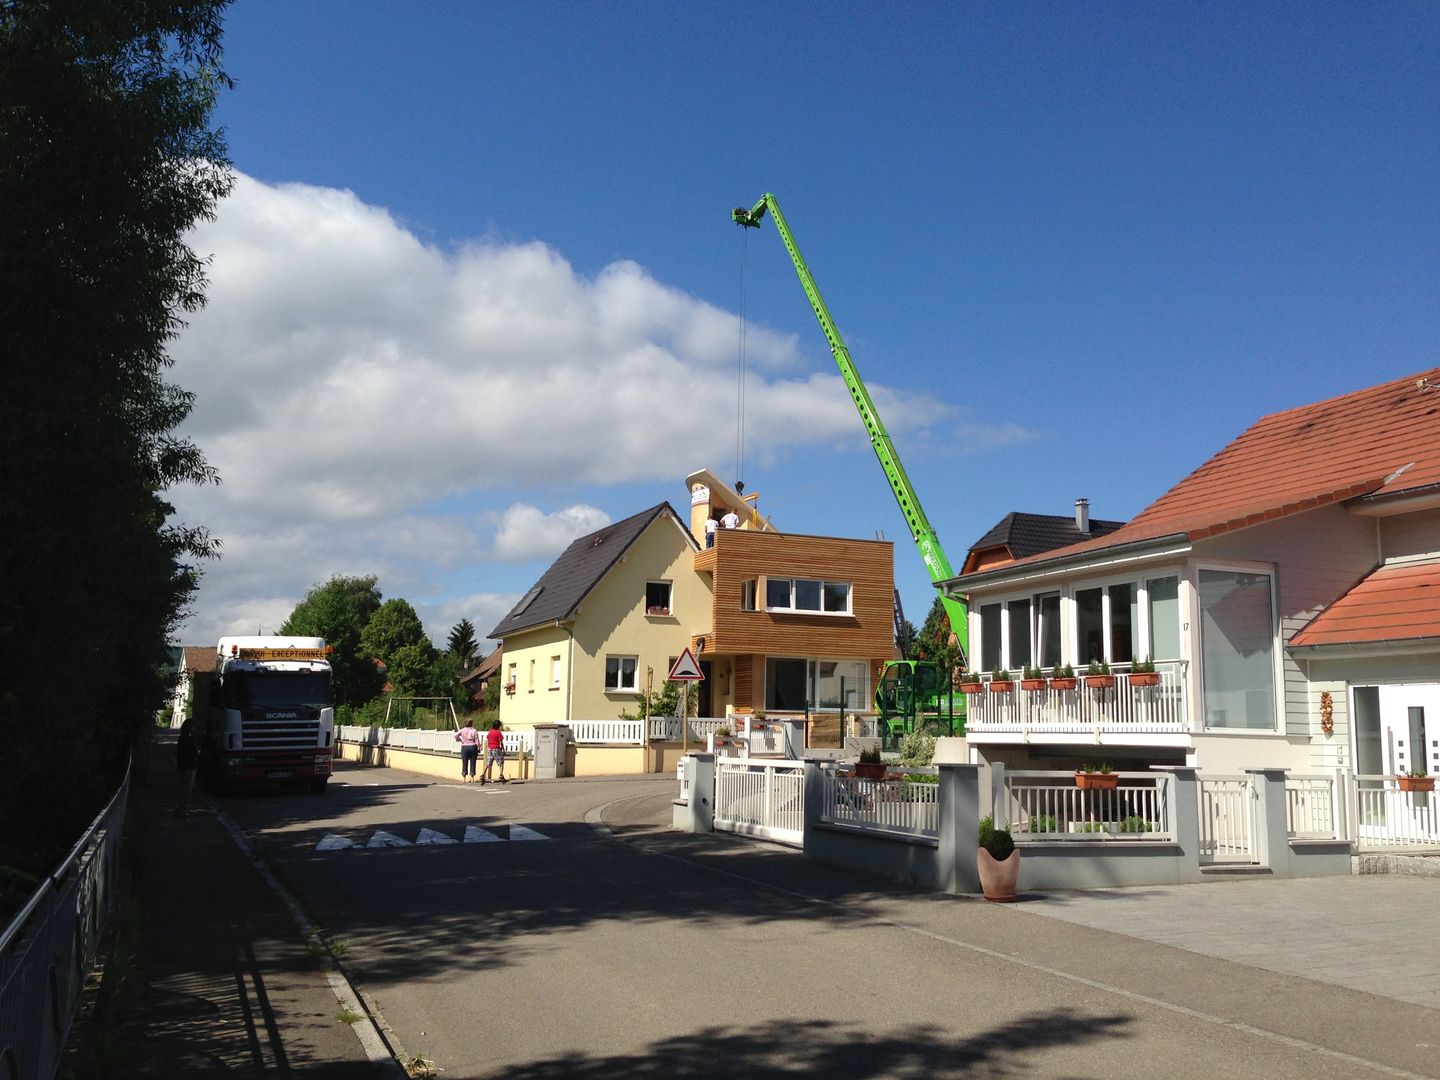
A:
(731, 520)
(710, 525)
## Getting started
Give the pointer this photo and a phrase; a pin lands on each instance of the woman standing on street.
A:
(469, 740)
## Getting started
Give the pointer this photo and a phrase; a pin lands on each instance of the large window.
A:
(620, 675)
(990, 637)
(792, 683)
(1017, 614)
(1164, 594)
(1107, 623)
(1047, 629)
(1237, 649)
(804, 594)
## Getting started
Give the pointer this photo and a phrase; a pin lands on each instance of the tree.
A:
(905, 640)
(107, 161)
(462, 643)
(392, 627)
(410, 669)
(936, 643)
(339, 611)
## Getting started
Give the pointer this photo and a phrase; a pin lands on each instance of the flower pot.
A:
(1064, 684)
(1032, 684)
(1001, 686)
(1417, 783)
(1144, 678)
(972, 688)
(1100, 682)
(1097, 781)
(997, 878)
(870, 770)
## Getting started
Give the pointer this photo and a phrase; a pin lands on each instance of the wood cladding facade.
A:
(741, 555)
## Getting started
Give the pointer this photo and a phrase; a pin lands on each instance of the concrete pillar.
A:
(959, 797)
(992, 794)
(1272, 838)
(1185, 817)
(814, 798)
(795, 739)
(702, 793)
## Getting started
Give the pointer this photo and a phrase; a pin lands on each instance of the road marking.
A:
(332, 842)
(385, 839)
(430, 836)
(520, 832)
(476, 835)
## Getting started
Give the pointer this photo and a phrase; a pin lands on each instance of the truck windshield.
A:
(272, 689)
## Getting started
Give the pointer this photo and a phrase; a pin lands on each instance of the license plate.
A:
(279, 774)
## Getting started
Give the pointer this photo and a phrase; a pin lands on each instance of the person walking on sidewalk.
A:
(187, 756)
(494, 752)
(469, 740)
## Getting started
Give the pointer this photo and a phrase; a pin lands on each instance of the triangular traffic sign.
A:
(686, 669)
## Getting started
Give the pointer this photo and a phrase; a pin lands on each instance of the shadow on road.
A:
(791, 1048)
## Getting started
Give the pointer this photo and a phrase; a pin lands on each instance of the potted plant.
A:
(997, 860)
(1062, 677)
(969, 683)
(1000, 682)
(870, 766)
(1417, 780)
(1098, 677)
(1032, 679)
(1143, 673)
(1089, 778)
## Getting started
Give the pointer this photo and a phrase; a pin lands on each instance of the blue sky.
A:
(1074, 249)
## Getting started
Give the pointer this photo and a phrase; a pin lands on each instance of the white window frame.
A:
(554, 673)
(793, 610)
(748, 591)
(1277, 651)
(620, 688)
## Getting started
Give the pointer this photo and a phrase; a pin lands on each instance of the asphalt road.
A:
(615, 948)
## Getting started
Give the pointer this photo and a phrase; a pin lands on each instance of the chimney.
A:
(1082, 516)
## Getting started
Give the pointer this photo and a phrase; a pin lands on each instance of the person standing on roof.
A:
(494, 752)
(710, 526)
(731, 520)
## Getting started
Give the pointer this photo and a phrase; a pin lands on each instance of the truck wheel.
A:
(317, 787)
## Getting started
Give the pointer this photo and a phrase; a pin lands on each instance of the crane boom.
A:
(921, 531)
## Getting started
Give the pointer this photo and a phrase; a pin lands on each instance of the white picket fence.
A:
(1047, 804)
(896, 805)
(436, 742)
(607, 732)
(1387, 818)
(761, 798)
(1227, 819)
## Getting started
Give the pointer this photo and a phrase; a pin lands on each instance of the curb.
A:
(376, 1038)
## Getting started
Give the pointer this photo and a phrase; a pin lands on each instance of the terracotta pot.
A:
(1064, 684)
(1097, 781)
(1417, 783)
(1032, 684)
(870, 770)
(1144, 678)
(997, 879)
(1002, 686)
(972, 688)
(1100, 682)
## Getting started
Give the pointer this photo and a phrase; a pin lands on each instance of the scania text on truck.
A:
(270, 717)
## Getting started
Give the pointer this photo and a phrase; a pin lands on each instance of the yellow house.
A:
(790, 624)
(607, 619)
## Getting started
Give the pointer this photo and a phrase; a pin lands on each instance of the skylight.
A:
(526, 601)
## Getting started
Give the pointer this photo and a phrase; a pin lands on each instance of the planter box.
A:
(1002, 686)
(1417, 783)
(1144, 678)
(1096, 781)
(1064, 684)
(870, 770)
(1032, 684)
(1100, 682)
(972, 688)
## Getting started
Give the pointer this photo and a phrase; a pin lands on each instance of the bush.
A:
(1134, 824)
(920, 778)
(917, 748)
(1042, 823)
(998, 842)
(871, 755)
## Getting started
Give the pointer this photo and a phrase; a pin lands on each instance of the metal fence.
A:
(50, 945)
(1312, 808)
(885, 805)
(1048, 805)
(761, 798)
(1387, 818)
(1227, 819)
(435, 742)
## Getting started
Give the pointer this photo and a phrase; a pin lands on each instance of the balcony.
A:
(1125, 714)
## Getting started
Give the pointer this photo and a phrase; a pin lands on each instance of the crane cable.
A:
(740, 367)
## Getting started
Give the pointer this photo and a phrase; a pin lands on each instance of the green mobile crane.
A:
(906, 689)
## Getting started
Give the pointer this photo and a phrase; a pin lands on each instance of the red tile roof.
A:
(200, 658)
(1394, 603)
(1382, 440)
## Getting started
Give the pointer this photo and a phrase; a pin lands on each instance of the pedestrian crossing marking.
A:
(385, 839)
(427, 837)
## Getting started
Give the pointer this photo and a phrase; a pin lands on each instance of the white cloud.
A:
(352, 380)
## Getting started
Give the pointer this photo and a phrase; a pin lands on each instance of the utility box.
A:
(551, 752)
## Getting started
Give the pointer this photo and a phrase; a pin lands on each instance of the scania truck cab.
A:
(271, 717)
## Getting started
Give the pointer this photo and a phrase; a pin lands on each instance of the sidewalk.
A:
(227, 987)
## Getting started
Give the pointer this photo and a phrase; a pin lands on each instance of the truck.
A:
(267, 715)
(907, 689)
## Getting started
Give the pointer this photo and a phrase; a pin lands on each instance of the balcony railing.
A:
(1120, 712)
